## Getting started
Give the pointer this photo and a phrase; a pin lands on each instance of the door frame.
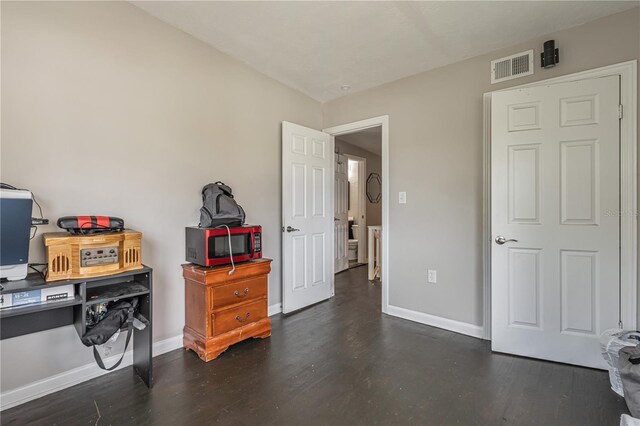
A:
(383, 122)
(362, 204)
(627, 71)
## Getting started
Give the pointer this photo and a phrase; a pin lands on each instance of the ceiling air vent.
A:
(511, 67)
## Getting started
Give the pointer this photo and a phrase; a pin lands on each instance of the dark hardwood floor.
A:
(340, 362)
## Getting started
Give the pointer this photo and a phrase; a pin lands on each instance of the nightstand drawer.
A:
(230, 319)
(237, 292)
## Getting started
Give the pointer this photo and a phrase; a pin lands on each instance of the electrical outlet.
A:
(431, 276)
(402, 197)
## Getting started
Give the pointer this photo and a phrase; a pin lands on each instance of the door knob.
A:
(335, 219)
(501, 240)
(290, 229)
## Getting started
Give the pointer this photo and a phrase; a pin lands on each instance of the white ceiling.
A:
(368, 139)
(317, 46)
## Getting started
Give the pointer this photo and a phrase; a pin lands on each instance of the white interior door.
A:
(362, 228)
(307, 219)
(360, 197)
(555, 195)
(341, 216)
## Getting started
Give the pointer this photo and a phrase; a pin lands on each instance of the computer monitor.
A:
(15, 232)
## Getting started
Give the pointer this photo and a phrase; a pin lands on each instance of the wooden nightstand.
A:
(223, 309)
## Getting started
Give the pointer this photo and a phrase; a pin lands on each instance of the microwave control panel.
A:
(257, 242)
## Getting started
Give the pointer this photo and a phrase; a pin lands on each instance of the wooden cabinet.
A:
(223, 309)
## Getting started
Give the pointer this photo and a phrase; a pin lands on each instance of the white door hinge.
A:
(620, 111)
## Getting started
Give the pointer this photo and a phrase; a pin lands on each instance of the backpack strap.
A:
(226, 189)
(96, 355)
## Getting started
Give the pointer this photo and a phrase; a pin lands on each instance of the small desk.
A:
(20, 320)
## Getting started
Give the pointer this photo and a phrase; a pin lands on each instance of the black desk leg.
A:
(143, 343)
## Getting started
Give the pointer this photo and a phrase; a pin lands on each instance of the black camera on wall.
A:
(550, 56)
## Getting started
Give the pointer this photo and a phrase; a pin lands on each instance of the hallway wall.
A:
(374, 165)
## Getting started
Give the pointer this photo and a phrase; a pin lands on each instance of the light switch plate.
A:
(432, 276)
(402, 197)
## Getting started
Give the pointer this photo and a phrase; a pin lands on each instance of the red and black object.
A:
(90, 224)
(210, 246)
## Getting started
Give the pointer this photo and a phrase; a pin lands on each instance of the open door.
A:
(341, 215)
(307, 216)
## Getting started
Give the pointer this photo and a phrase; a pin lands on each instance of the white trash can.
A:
(611, 341)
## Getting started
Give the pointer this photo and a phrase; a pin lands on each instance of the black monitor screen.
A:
(15, 229)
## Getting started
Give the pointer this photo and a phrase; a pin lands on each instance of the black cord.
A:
(92, 223)
(42, 273)
(100, 228)
(37, 204)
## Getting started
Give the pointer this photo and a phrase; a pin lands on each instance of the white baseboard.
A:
(167, 345)
(435, 321)
(86, 372)
(77, 375)
(275, 309)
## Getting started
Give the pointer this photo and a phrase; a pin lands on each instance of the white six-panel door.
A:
(555, 189)
(307, 212)
(341, 214)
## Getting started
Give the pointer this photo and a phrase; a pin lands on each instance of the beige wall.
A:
(435, 121)
(374, 165)
(106, 110)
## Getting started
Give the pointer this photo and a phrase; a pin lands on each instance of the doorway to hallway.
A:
(358, 204)
(310, 250)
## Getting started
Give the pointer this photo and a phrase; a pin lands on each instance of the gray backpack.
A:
(219, 207)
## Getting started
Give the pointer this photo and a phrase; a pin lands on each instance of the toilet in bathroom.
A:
(353, 244)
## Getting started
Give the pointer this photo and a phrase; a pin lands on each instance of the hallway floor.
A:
(340, 362)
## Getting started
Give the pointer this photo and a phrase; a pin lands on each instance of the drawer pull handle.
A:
(239, 319)
(237, 293)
